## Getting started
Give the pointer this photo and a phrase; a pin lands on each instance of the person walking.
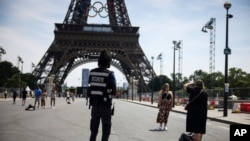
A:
(196, 109)
(5, 94)
(102, 87)
(72, 96)
(67, 97)
(38, 93)
(165, 106)
(14, 96)
(53, 99)
(24, 95)
(43, 98)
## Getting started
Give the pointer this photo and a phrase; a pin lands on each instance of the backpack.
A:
(38, 92)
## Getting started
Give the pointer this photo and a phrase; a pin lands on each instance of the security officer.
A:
(102, 87)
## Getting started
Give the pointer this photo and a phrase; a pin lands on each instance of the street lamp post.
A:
(20, 60)
(32, 67)
(152, 87)
(176, 47)
(132, 83)
(132, 87)
(2, 51)
(128, 87)
(174, 42)
(227, 51)
(140, 82)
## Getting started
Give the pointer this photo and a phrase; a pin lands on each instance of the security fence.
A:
(218, 93)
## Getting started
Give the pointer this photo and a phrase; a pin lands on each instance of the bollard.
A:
(236, 108)
(211, 105)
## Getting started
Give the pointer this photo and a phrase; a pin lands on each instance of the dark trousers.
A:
(97, 114)
(14, 99)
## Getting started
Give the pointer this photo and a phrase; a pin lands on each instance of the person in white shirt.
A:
(53, 98)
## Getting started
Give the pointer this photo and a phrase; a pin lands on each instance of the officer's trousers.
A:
(97, 114)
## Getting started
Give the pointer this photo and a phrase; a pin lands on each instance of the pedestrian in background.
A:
(5, 94)
(14, 96)
(102, 86)
(196, 109)
(24, 95)
(67, 97)
(165, 106)
(72, 96)
(38, 93)
(43, 98)
(53, 98)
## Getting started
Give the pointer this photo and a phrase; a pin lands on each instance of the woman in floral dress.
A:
(165, 106)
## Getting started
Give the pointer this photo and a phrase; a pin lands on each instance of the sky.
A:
(27, 26)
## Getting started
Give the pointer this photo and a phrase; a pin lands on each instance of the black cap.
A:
(104, 59)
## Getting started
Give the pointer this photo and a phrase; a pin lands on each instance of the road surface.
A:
(131, 122)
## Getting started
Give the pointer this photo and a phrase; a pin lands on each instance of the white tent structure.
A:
(29, 92)
(233, 97)
(27, 89)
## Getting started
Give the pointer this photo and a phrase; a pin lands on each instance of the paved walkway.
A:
(11, 99)
(216, 114)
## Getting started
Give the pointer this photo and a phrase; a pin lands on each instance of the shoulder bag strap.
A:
(196, 97)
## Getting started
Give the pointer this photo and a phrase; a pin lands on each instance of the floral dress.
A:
(165, 106)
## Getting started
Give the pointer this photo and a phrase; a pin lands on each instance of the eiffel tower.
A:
(77, 42)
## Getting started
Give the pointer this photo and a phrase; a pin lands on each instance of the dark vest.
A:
(99, 89)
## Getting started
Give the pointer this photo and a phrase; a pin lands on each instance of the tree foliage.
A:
(11, 77)
(238, 79)
(7, 70)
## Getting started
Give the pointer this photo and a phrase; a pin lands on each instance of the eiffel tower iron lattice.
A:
(77, 42)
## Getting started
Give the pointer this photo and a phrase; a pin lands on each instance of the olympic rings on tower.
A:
(96, 8)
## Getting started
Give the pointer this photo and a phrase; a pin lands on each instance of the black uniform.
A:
(101, 84)
(14, 96)
(24, 95)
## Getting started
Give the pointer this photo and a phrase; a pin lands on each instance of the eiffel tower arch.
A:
(77, 42)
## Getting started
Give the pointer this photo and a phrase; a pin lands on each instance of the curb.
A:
(11, 99)
(210, 118)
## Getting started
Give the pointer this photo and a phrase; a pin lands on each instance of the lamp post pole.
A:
(140, 80)
(20, 60)
(21, 79)
(152, 88)
(2, 51)
(132, 87)
(139, 87)
(32, 66)
(174, 42)
(128, 86)
(227, 51)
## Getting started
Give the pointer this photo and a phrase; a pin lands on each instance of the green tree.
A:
(29, 80)
(218, 80)
(239, 80)
(236, 77)
(201, 75)
(198, 75)
(6, 71)
(13, 82)
(158, 82)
